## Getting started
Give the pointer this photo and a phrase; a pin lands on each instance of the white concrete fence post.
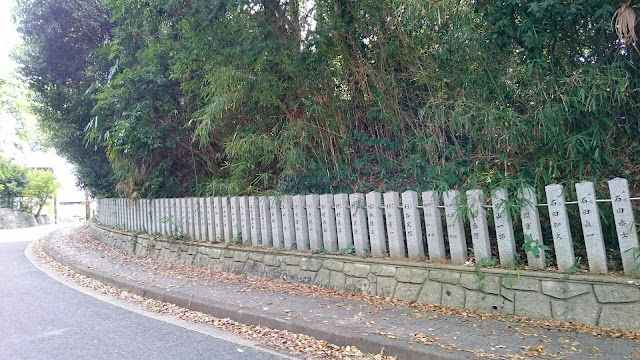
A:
(433, 225)
(277, 233)
(301, 223)
(455, 227)
(245, 220)
(236, 225)
(530, 218)
(412, 225)
(218, 205)
(357, 208)
(559, 218)
(265, 221)
(227, 221)
(395, 231)
(277, 230)
(210, 223)
(625, 226)
(314, 220)
(504, 228)
(329, 230)
(288, 222)
(375, 224)
(343, 221)
(479, 226)
(591, 227)
(254, 221)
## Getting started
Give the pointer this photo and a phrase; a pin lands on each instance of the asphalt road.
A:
(41, 318)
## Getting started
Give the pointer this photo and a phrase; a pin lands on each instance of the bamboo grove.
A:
(166, 98)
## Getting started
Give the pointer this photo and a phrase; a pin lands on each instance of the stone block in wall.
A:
(333, 265)
(337, 280)
(532, 304)
(406, 291)
(383, 270)
(509, 307)
(269, 259)
(256, 256)
(322, 278)
(357, 270)
(373, 280)
(431, 293)
(223, 265)
(237, 267)
(444, 276)
(581, 309)
(410, 275)
(176, 257)
(204, 250)
(310, 264)
(291, 260)
(520, 283)
(168, 255)
(616, 293)
(241, 256)
(215, 253)
(483, 301)
(307, 277)
(291, 272)
(386, 286)
(490, 284)
(403, 274)
(620, 315)
(419, 276)
(453, 295)
(357, 285)
(253, 268)
(228, 253)
(184, 258)
(564, 289)
(508, 294)
(201, 259)
(273, 272)
(164, 254)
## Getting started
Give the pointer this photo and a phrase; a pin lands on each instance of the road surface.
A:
(41, 318)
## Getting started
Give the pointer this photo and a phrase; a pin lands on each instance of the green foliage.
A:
(31, 189)
(58, 39)
(41, 187)
(483, 263)
(348, 250)
(13, 180)
(228, 97)
(572, 269)
(533, 246)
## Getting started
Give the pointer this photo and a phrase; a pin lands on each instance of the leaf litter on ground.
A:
(524, 326)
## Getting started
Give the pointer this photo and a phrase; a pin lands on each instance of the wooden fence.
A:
(407, 225)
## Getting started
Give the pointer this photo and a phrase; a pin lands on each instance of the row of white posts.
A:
(390, 223)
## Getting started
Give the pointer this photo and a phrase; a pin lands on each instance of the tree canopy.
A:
(13, 179)
(42, 187)
(180, 97)
(25, 188)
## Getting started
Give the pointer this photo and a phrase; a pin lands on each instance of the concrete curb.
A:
(373, 345)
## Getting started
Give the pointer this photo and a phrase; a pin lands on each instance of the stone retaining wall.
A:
(601, 300)
(13, 219)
